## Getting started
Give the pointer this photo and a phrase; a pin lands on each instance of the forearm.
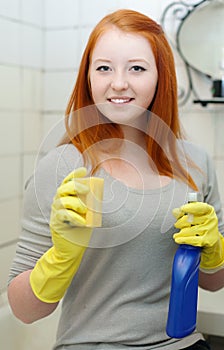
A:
(212, 282)
(24, 304)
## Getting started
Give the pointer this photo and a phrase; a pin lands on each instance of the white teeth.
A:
(120, 100)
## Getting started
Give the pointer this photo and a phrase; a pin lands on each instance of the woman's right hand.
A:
(68, 211)
(56, 268)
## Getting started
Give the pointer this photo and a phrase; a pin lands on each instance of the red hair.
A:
(161, 137)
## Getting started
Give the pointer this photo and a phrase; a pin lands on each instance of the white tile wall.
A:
(32, 11)
(10, 137)
(10, 33)
(61, 13)
(92, 11)
(219, 164)
(152, 9)
(57, 89)
(31, 131)
(32, 47)
(61, 49)
(83, 38)
(31, 89)
(10, 87)
(21, 79)
(192, 121)
(8, 208)
(10, 184)
(52, 132)
(219, 131)
(10, 8)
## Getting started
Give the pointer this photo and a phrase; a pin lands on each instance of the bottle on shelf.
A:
(218, 83)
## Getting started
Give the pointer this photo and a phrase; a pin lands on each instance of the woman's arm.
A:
(211, 281)
(24, 304)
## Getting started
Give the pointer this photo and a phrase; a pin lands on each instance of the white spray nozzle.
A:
(191, 197)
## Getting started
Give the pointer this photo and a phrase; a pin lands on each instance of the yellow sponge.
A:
(93, 200)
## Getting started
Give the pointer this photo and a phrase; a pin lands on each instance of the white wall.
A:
(41, 45)
(21, 87)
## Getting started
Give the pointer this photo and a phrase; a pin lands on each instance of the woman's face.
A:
(123, 75)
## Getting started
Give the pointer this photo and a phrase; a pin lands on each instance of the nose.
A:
(119, 82)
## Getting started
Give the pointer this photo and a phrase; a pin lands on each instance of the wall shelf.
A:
(204, 103)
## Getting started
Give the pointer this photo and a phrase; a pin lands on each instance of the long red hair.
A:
(85, 129)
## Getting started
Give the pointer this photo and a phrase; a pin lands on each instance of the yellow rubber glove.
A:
(201, 231)
(55, 270)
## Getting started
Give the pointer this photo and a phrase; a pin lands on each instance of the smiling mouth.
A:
(120, 100)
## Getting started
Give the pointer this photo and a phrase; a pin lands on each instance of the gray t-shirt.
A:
(119, 297)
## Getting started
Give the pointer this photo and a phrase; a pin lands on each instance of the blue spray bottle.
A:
(182, 314)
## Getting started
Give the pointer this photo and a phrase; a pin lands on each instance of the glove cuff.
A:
(52, 275)
(212, 260)
(213, 270)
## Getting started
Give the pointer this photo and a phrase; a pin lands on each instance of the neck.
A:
(134, 135)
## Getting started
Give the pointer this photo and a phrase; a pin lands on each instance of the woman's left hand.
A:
(201, 231)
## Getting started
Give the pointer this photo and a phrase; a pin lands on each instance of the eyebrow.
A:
(136, 59)
(101, 60)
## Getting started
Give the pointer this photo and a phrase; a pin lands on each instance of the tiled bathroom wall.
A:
(21, 87)
(41, 45)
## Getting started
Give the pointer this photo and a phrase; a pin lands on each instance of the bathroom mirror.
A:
(195, 30)
(200, 38)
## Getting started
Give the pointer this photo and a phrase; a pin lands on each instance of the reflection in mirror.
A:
(201, 38)
(199, 41)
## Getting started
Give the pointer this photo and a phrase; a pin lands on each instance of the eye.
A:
(138, 69)
(103, 68)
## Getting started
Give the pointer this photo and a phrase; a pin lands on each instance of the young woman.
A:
(122, 125)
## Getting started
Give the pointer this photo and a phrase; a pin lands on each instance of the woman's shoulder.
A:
(64, 153)
(190, 146)
(195, 152)
(59, 161)
(55, 165)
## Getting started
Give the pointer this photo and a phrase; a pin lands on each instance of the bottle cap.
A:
(192, 197)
